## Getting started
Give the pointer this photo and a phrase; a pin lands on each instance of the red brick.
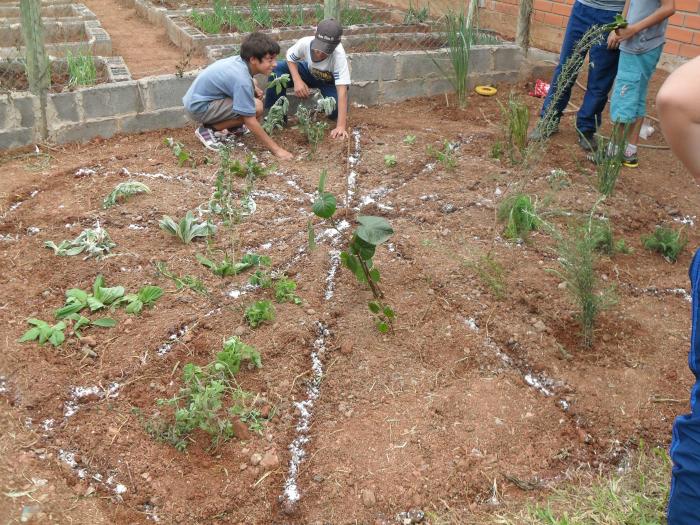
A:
(553, 20)
(672, 48)
(687, 5)
(507, 8)
(539, 16)
(689, 51)
(561, 9)
(542, 5)
(677, 19)
(696, 39)
(692, 21)
(679, 34)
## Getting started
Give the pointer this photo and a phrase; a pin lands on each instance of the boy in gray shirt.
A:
(640, 44)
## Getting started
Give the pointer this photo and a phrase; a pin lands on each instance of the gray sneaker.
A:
(206, 136)
(537, 134)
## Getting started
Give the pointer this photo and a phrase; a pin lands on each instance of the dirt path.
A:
(145, 47)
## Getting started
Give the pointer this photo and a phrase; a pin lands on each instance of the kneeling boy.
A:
(224, 97)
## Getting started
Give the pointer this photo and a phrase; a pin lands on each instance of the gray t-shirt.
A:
(605, 5)
(649, 38)
(225, 78)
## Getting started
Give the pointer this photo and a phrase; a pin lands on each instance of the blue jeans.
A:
(601, 71)
(684, 498)
(327, 89)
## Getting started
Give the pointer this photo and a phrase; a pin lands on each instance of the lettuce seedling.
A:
(259, 312)
(187, 229)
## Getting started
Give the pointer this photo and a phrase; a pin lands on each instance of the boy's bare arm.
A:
(340, 130)
(256, 129)
(667, 8)
(301, 90)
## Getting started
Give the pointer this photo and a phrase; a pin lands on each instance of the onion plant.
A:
(459, 41)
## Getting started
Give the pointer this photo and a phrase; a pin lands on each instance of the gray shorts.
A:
(217, 111)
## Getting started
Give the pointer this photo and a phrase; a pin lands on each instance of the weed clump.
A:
(516, 117)
(666, 241)
(520, 216)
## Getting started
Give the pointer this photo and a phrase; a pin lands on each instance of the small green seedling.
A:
(123, 190)
(234, 352)
(259, 312)
(228, 267)
(146, 297)
(187, 229)
(519, 213)
(279, 83)
(178, 149)
(261, 278)
(446, 156)
(666, 241)
(409, 140)
(415, 15)
(390, 161)
(603, 241)
(186, 281)
(93, 242)
(43, 332)
(383, 315)
(284, 291)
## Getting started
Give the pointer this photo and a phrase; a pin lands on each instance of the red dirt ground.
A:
(429, 417)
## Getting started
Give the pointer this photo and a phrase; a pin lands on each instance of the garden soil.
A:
(470, 405)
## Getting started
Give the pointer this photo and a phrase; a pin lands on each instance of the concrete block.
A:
(366, 93)
(507, 58)
(419, 64)
(165, 91)
(481, 59)
(372, 67)
(16, 138)
(438, 86)
(27, 107)
(111, 99)
(165, 118)
(398, 90)
(63, 107)
(84, 131)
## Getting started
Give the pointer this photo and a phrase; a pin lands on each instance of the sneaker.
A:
(206, 136)
(630, 161)
(537, 134)
(587, 140)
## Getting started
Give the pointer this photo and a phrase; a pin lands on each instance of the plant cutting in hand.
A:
(188, 228)
(122, 191)
(93, 242)
(358, 257)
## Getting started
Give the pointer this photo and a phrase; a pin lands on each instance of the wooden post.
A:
(331, 9)
(522, 35)
(38, 67)
(472, 14)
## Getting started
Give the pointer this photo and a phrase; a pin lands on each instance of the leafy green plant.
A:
(350, 16)
(520, 215)
(43, 332)
(276, 116)
(187, 229)
(459, 41)
(93, 242)
(445, 156)
(666, 241)
(292, 17)
(234, 352)
(325, 104)
(225, 200)
(260, 14)
(414, 15)
(261, 278)
(358, 258)
(496, 150)
(516, 117)
(229, 267)
(124, 190)
(81, 69)
(259, 312)
(284, 291)
(409, 140)
(146, 297)
(313, 130)
(603, 240)
(185, 281)
(279, 83)
(178, 149)
(390, 161)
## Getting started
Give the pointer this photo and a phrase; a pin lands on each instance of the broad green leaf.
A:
(134, 307)
(74, 251)
(389, 312)
(77, 294)
(374, 307)
(69, 309)
(322, 181)
(95, 304)
(150, 294)
(374, 275)
(45, 332)
(30, 335)
(80, 321)
(352, 263)
(99, 283)
(362, 249)
(109, 295)
(104, 322)
(373, 230)
(57, 337)
(324, 206)
(37, 322)
(383, 327)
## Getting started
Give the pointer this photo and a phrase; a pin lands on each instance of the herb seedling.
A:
(259, 312)
(229, 267)
(146, 296)
(390, 161)
(43, 332)
(519, 213)
(186, 281)
(284, 291)
(123, 190)
(94, 242)
(187, 229)
(178, 149)
(666, 241)
(81, 69)
(415, 15)
(276, 116)
(261, 278)
(409, 140)
(446, 156)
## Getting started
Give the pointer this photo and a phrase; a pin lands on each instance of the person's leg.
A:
(577, 26)
(683, 507)
(271, 96)
(678, 105)
(602, 68)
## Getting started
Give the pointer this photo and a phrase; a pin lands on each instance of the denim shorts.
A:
(629, 99)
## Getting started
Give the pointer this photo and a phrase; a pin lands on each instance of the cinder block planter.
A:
(76, 37)
(10, 13)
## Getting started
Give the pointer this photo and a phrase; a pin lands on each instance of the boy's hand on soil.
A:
(301, 90)
(283, 154)
(339, 133)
